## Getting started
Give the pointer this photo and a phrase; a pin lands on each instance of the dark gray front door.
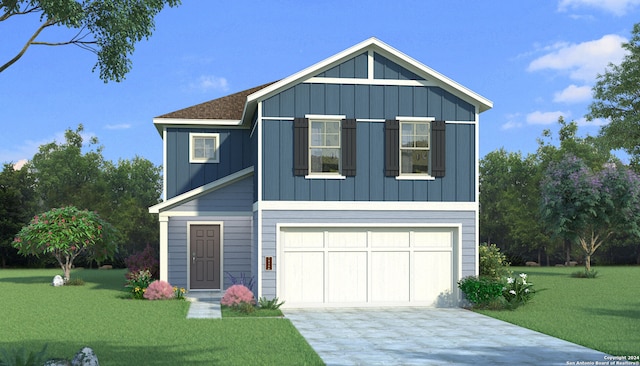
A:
(205, 256)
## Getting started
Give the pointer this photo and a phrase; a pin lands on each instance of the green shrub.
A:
(517, 291)
(585, 274)
(75, 282)
(246, 308)
(269, 304)
(138, 282)
(493, 264)
(20, 357)
(480, 290)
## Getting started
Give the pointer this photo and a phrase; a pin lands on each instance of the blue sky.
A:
(536, 60)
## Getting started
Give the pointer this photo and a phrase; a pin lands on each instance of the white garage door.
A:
(341, 266)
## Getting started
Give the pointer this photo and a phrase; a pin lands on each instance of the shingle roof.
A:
(229, 107)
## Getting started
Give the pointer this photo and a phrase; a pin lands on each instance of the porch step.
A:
(204, 304)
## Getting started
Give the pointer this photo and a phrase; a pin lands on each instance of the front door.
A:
(205, 256)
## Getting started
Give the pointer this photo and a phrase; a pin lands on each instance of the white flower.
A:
(524, 282)
(512, 292)
(504, 289)
(526, 290)
(523, 276)
(510, 280)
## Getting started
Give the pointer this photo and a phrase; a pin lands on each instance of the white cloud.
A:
(19, 164)
(210, 82)
(583, 61)
(573, 94)
(545, 118)
(511, 125)
(119, 126)
(616, 7)
(595, 123)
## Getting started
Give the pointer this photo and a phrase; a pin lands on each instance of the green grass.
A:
(134, 332)
(228, 312)
(601, 313)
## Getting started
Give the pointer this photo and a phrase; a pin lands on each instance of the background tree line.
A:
(74, 172)
(545, 205)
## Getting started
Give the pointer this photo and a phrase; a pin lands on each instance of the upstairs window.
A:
(324, 147)
(204, 147)
(414, 147)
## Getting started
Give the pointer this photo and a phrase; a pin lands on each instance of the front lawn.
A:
(601, 313)
(134, 332)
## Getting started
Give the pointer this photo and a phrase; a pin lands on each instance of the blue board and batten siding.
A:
(182, 176)
(272, 218)
(232, 206)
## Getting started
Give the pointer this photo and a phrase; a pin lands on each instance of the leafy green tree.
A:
(589, 149)
(509, 201)
(108, 28)
(587, 207)
(67, 176)
(67, 233)
(17, 206)
(616, 97)
(133, 186)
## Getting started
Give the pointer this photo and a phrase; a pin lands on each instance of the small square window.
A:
(204, 147)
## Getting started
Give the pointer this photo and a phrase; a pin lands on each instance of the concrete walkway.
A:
(429, 336)
(204, 304)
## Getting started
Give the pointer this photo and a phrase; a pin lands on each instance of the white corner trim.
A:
(217, 184)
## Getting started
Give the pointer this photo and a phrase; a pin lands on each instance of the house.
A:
(353, 182)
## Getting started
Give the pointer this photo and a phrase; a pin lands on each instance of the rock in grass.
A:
(85, 357)
(57, 281)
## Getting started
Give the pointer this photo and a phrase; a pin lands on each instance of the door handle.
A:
(193, 257)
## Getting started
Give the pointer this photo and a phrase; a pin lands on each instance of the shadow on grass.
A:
(119, 354)
(623, 313)
(28, 280)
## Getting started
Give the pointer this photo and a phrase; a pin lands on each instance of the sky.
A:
(536, 60)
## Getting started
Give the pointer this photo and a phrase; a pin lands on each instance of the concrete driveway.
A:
(429, 336)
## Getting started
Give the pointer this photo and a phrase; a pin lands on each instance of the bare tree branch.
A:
(46, 24)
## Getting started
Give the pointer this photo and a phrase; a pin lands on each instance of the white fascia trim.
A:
(217, 184)
(374, 44)
(359, 81)
(205, 213)
(365, 206)
(196, 122)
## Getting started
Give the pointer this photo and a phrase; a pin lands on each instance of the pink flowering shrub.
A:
(159, 290)
(237, 295)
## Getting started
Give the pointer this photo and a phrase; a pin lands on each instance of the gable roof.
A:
(481, 103)
(237, 109)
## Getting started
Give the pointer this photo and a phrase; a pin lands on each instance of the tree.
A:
(67, 233)
(17, 206)
(616, 97)
(67, 176)
(509, 200)
(584, 206)
(589, 149)
(133, 186)
(108, 28)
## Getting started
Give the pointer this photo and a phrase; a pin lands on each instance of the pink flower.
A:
(236, 295)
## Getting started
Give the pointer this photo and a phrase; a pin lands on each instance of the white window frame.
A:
(325, 118)
(206, 135)
(414, 120)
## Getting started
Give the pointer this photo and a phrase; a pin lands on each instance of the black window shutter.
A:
(438, 148)
(349, 147)
(391, 148)
(300, 146)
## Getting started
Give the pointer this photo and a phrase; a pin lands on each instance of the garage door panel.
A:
(304, 279)
(389, 276)
(347, 277)
(347, 238)
(432, 276)
(301, 238)
(435, 238)
(390, 238)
